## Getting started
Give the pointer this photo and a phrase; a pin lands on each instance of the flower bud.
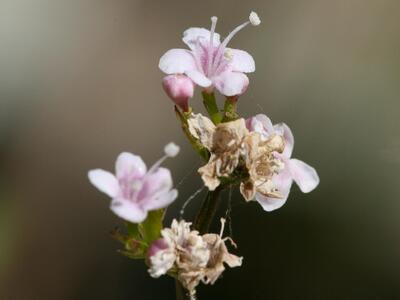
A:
(179, 88)
(156, 246)
(160, 258)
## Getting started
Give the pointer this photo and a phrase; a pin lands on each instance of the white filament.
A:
(214, 20)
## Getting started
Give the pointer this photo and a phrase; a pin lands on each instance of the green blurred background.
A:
(79, 84)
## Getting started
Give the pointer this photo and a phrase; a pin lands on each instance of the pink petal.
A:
(129, 165)
(156, 192)
(283, 129)
(304, 175)
(283, 183)
(231, 83)
(241, 61)
(161, 200)
(104, 181)
(177, 61)
(129, 211)
(191, 35)
(198, 78)
(260, 123)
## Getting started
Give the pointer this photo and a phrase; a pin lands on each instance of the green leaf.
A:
(150, 229)
(132, 255)
(133, 230)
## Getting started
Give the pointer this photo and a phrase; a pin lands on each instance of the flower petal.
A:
(129, 165)
(128, 211)
(283, 183)
(260, 123)
(191, 35)
(304, 175)
(283, 129)
(177, 61)
(198, 78)
(162, 200)
(241, 61)
(231, 83)
(104, 181)
(156, 191)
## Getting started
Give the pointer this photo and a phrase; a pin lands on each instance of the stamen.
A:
(182, 211)
(137, 186)
(171, 150)
(214, 20)
(222, 220)
(253, 20)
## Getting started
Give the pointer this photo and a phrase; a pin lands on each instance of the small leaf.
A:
(133, 230)
(117, 235)
(131, 255)
(151, 227)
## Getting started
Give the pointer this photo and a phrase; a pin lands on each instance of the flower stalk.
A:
(230, 107)
(207, 211)
(180, 292)
(211, 106)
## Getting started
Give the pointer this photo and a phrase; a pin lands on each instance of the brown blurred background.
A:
(79, 83)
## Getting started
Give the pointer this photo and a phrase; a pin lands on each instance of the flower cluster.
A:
(190, 257)
(251, 154)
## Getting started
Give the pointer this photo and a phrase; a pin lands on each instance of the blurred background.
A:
(79, 83)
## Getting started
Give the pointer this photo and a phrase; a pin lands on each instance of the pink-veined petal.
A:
(177, 61)
(198, 78)
(260, 123)
(283, 183)
(231, 83)
(129, 165)
(155, 185)
(304, 175)
(191, 35)
(104, 181)
(283, 129)
(241, 61)
(161, 200)
(129, 211)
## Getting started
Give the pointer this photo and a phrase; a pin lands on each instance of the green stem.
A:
(210, 104)
(230, 113)
(207, 211)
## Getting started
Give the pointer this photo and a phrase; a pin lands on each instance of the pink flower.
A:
(133, 189)
(209, 63)
(295, 170)
(179, 88)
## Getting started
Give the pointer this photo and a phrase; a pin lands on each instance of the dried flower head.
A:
(285, 169)
(219, 256)
(190, 257)
(225, 143)
(261, 165)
